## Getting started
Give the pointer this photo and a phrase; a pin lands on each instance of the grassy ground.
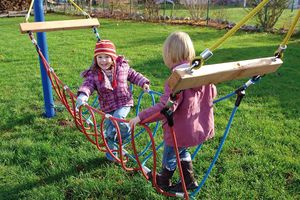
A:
(44, 159)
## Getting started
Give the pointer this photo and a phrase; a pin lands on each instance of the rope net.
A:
(138, 151)
(133, 152)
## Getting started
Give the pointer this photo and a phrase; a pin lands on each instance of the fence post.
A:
(207, 12)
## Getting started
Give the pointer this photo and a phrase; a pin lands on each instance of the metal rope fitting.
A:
(169, 115)
(196, 64)
(239, 98)
(280, 50)
(32, 38)
(107, 116)
(206, 54)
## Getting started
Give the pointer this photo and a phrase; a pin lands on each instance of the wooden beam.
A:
(216, 73)
(58, 25)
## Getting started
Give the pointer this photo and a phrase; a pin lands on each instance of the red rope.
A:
(62, 91)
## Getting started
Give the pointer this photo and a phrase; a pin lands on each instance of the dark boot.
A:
(163, 179)
(189, 179)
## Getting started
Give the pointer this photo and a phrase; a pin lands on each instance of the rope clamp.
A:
(32, 38)
(89, 122)
(196, 64)
(206, 54)
(169, 115)
(166, 111)
(240, 95)
(280, 50)
(107, 116)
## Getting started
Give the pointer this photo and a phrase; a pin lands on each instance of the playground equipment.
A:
(90, 120)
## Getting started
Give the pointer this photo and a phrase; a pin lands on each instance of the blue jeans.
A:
(169, 157)
(110, 129)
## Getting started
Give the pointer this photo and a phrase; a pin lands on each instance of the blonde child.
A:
(109, 76)
(192, 114)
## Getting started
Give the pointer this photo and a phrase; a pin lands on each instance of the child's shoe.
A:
(163, 179)
(189, 179)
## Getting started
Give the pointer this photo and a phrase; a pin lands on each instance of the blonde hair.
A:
(178, 48)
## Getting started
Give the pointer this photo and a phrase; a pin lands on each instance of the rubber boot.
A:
(189, 179)
(163, 179)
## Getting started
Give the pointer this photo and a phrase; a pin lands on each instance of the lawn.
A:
(43, 158)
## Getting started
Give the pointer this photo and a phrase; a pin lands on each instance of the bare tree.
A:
(270, 14)
(151, 8)
(90, 5)
(196, 8)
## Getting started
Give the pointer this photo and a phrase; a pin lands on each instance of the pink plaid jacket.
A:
(111, 99)
(193, 114)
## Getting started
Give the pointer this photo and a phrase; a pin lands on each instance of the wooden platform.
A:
(216, 73)
(58, 25)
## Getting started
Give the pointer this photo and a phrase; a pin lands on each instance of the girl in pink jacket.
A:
(109, 76)
(192, 114)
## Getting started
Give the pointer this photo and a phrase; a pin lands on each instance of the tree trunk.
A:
(90, 5)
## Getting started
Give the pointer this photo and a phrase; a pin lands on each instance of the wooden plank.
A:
(58, 25)
(216, 73)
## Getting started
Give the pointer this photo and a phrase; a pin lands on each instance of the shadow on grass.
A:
(13, 121)
(90, 165)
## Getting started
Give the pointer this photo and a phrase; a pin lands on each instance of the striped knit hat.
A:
(108, 48)
(105, 47)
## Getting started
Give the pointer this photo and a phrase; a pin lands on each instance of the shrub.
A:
(270, 14)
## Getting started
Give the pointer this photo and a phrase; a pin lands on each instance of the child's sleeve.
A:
(160, 105)
(136, 78)
(88, 85)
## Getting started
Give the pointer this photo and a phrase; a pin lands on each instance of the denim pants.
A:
(110, 129)
(169, 157)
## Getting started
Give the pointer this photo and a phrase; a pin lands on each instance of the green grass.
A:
(41, 159)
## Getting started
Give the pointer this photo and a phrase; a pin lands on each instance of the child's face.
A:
(104, 61)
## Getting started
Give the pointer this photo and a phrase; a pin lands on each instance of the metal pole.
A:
(207, 12)
(41, 39)
(130, 7)
(165, 6)
(266, 17)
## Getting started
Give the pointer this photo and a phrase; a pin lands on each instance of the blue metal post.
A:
(41, 39)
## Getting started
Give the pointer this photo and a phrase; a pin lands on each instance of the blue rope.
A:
(251, 81)
(223, 98)
(217, 153)
(196, 151)
(151, 93)
(150, 155)
(97, 34)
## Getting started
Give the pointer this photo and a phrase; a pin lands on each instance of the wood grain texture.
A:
(216, 73)
(58, 25)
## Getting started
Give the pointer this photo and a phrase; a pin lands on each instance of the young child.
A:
(108, 76)
(192, 114)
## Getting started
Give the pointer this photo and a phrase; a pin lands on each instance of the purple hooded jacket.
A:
(111, 98)
(193, 115)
